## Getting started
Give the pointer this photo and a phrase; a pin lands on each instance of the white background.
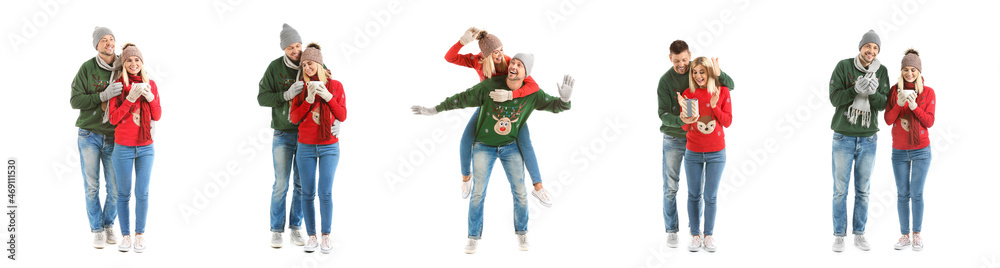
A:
(396, 192)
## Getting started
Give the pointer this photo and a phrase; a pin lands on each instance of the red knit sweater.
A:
(706, 135)
(476, 62)
(307, 114)
(126, 116)
(914, 135)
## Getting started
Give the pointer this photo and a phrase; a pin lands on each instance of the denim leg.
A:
(513, 165)
(715, 163)
(328, 158)
(864, 163)
(901, 172)
(694, 164)
(306, 157)
(90, 164)
(673, 154)
(921, 162)
(484, 157)
(528, 154)
(110, 184)
(283, 148)
(843, 159)
(465, 144)
(143, 171)
(124, 156)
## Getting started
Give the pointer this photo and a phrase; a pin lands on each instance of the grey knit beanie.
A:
(100, 32)
(870, 37)
(912, 58)
(289, 36)
(527, 59)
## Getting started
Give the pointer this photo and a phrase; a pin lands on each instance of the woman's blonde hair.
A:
(322, 73)
(124, 74)
(704, 62)
(489, 67)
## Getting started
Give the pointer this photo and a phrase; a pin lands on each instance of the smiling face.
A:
(910, 74)
(133, 65)
(681, 61)
(868, 53)
(106, 46)
(515, 71)
(310, 67)
(497, 55)
(700, 75)
(293, 51)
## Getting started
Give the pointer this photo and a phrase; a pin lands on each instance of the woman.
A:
(314, 110)
(910, 111)
(491, 62)
(133, 114)
(706, 147)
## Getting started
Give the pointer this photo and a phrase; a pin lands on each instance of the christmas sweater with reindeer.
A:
(909, 127)
(499, 123)
(842, 96)
(310, 117)
(706, 135)
(476, 63)
(670, 84)
(91, 80)
(277, 78)
(132, 126)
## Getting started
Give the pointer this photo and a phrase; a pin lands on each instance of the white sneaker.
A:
(838, 244)
(672, 240)
(99, 240)
(140, 243)
(696, 244)
(471, 247)
(326, 246)
(275, 239)
(543, 197)
(109, 235)
(466, 188)
(903, 242)
(522, 242)
(918, 242)
(709, 243)
(297, 238)
(126, 243)
(861, 243)
(311, 245)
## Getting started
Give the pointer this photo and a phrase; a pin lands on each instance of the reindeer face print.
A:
(136, 117)
(315, 115)
(506, 118)
(905, 124)
(706, 125)
(503, 125)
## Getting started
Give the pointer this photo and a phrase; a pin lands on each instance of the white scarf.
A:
(104, 65)
(861, 107)
(289, 64)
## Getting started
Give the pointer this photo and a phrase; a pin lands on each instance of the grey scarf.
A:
(861, 107)
(104, 65)
(289, 64)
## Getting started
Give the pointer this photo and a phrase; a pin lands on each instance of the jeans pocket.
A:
(278, 133)
(838, 137)
(873, 138)
(83, 133)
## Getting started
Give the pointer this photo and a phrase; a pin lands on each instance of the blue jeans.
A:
(324, 157)
(283, 148)
(124, 159)
(910, 168)
(857, 153)
(523, 141)
(673, 154)
(485, 156)
(703, 169)
(95, 149)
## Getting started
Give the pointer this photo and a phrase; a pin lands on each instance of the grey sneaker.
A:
(140, 243)
(861, 243)
(918, 242)
(109, 235)
(696, 244)
(672, 240)
(838, 244)
(471, 247)
(466, 189)
(522, 242)
(311, 245)
(903, 242)
(126, 244)
(543, 197)
(709, 243)
(275, 239)
(99, 240)
(297, 238)
(326, 246)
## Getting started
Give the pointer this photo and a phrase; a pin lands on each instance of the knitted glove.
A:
(861, 84)
(420, 110)
(913, 101)
(502, 95)
(294, 90)
(469, 35)
(311, 95)
(566, 89)
(134, 94)
(901, 97)
(325, 94)
(872, 84)
(335, 128)
(111, 91)
(148, 94)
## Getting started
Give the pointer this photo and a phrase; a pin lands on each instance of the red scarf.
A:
(913, 137)
(324, 110)
(144, 114)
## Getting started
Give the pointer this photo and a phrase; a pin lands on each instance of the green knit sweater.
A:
(670, 83)
(498, 123)
(277, 78)
(91, 80)
(842, 96)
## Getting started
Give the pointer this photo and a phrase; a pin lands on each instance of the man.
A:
(673, 82)
(858, 88)
(496, 137)
(90, 94)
